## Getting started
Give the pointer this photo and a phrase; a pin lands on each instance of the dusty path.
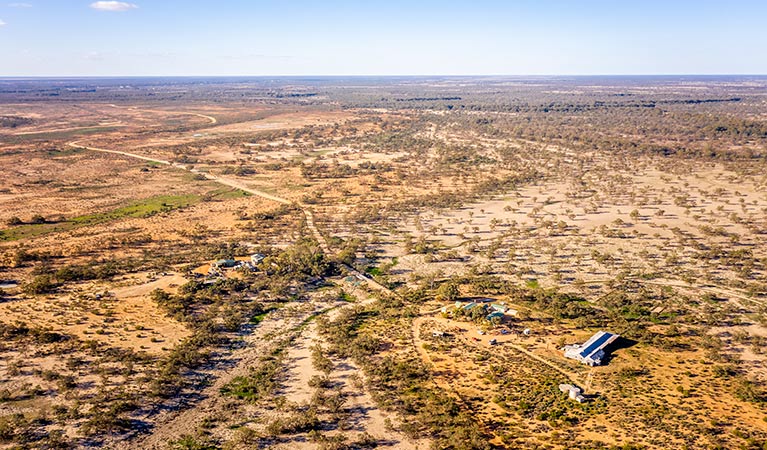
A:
(212, 119)
(174, 424)
(76, 144)
(313, 228)
(238, 185)
(506, 343)
(365, 415)
(220, 180)
(59, 130)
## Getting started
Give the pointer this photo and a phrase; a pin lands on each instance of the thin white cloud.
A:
(19, 5)
(2, 24)
(95, 56)
(113, 6)
(248, 56)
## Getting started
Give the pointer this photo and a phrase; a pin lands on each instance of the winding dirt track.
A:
(212, 119)
(172, 425)
(184, 422)
(220, 180)
(238, 185)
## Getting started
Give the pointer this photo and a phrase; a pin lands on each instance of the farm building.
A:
(573, 392)
(224, 263)
(479, 310)
(469, 306)
(499, 307)
(257, 258)
(495, 315)
(592, 351)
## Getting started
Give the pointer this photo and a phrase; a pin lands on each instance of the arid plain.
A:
(356, 213)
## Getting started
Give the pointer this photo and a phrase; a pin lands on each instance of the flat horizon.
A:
(605, 75)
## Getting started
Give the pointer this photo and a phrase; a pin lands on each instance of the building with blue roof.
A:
(592, 352)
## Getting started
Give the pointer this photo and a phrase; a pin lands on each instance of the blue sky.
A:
(393, 37)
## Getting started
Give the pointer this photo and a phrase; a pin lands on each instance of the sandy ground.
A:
(134, 323)
(575, 231)
(172, 424)
(365, 416)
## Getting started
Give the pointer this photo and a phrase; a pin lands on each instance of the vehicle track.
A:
(186, 421)
(175, 424)
(212, 119)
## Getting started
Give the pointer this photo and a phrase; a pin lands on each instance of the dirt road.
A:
(506, 343)
(239, 185)
(212, 119)
(174, 424)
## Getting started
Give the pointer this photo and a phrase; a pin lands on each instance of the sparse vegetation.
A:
(629, 205)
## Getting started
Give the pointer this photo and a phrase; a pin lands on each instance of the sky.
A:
(57, 38)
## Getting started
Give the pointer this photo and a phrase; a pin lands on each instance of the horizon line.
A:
(61, 77)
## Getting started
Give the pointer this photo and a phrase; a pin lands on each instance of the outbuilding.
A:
(256, 258)
(573, 392)
(224, 263)
(495, 315)
(592, 352)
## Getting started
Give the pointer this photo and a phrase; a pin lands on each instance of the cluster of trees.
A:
(335, 169)
(49, 279)
(213, 310)
(14, 121)
(37, 219)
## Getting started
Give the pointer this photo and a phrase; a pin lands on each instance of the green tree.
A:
(448, 292)
(41, 284)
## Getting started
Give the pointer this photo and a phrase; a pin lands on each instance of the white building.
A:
(573, 392)
(256, 259)
(592, 352)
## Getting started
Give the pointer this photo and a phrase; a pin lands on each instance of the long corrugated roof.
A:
(596, 343)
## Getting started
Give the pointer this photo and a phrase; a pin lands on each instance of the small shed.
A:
(224, 263)
(256, 258)
(573, 392)
(499, 308)
(495, 315)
